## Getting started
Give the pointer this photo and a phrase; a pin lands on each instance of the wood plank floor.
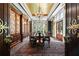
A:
(57, 48)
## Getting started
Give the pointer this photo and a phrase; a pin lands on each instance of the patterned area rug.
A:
(57, 48)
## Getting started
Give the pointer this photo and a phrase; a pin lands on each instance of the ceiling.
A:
(43, 8)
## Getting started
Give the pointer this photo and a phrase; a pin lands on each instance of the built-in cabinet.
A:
(12, 22)
(14, 26)
(18, 26)
(25, 27)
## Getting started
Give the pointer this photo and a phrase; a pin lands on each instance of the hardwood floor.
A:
(57, 48)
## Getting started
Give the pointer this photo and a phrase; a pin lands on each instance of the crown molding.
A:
(56, 10)
(52, 10)
(24, 10)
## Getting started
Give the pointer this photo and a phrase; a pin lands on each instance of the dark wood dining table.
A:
(38, 39)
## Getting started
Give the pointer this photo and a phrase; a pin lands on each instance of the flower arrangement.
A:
(8, 39)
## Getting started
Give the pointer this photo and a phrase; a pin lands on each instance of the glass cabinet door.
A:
(12, 22)
(17, 23)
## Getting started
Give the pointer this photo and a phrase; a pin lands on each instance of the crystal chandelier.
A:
(39, 12)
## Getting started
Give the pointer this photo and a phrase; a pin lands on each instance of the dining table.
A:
(38, 39)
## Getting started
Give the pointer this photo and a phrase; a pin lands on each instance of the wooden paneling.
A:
(72, 12)
(21, 27)
(24, 26)
(4, 15)
(78, 19)
(68, 15)
(1, 36)
(77, 12)
(15, 27)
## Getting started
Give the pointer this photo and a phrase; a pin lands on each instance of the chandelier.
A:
(39, 12)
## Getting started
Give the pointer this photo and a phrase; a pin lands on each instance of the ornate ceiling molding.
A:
(55, 10)
(52, 10)
(23, 9)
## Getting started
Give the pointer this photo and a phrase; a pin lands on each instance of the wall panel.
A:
(72, 42)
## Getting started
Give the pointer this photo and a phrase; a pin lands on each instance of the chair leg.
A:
(48, 44)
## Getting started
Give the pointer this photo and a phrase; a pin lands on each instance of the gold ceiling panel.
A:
(44, 8)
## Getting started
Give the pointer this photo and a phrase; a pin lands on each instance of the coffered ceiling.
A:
(42, 8)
